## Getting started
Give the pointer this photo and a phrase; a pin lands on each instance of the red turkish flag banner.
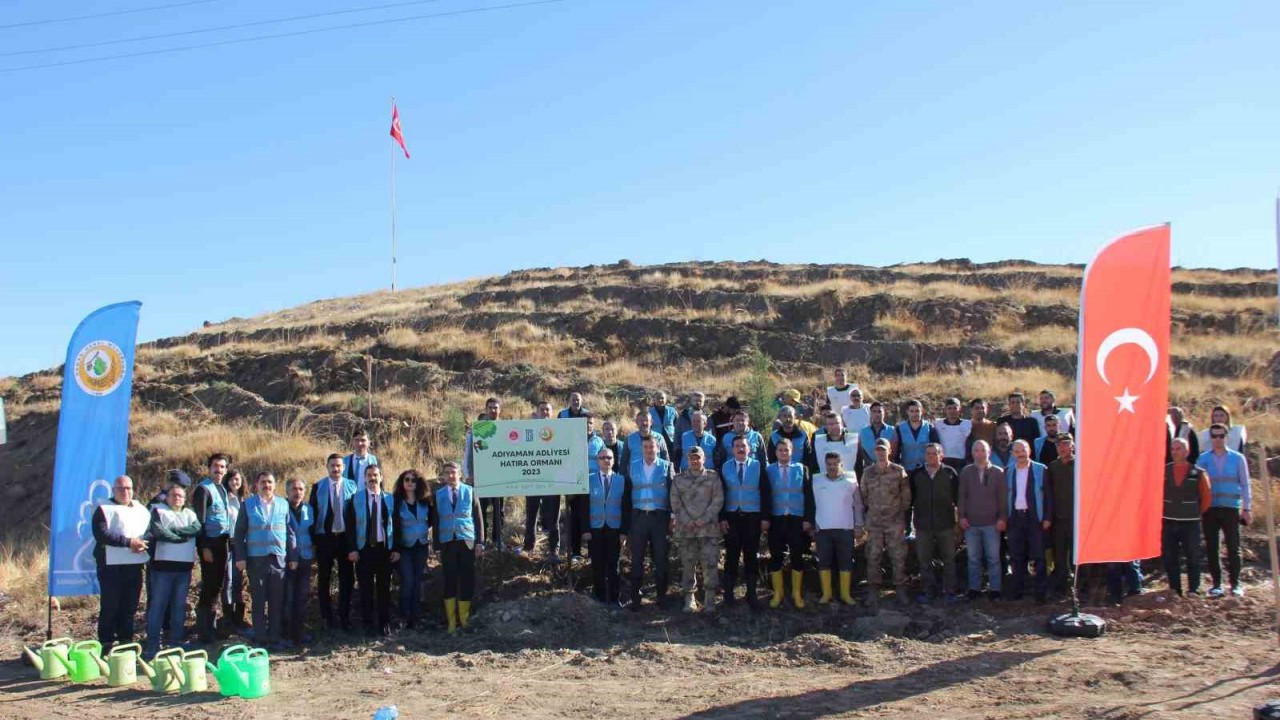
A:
(396, 132)
(1122, 392)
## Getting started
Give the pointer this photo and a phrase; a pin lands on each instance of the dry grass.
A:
(1213, 305)
(516, 342)
(902, 325)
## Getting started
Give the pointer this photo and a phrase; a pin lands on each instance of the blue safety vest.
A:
(787, 492)
(302, 523)
(456, 522)
(744, 495)
(1037, 485)
(216, 520)
(635, 444)
(664, 419)
(649, 494)
(1227, 492)
(798, 443)
(911, 444)
(413, 524)
(708, 444)
(322, 499)
(595, 444)
(867, 439)
(267, 526)
(349, 466)
(360, 504)
(754, 440)
(606, 509)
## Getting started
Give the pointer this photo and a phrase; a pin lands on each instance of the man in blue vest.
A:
(876, 429)
(632, 451)
(262, 542)
(914, 435)
(575, 409)
(360, 457)
(744, 515)
(788, 428)
(664, 419)
(789, 521)
(647, 500)
(1230, 507)
(580, 505)
(1029, 510)
(684, 420)
(542, 510)
(369, 514)
(299, 554)
(742, 428)
(698, 436)
(459, 538)
(209, 501)
(607, 526)
(329, 498)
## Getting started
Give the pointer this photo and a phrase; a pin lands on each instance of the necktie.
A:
(606, 479)
(742, 473)
(453, 497)
(335, 507)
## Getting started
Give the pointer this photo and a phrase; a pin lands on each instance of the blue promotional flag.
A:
(93, 436)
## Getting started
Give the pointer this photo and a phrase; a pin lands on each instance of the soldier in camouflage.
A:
(886, 495)
(696, 499)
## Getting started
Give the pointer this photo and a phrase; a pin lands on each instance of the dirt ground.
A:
(538, 650)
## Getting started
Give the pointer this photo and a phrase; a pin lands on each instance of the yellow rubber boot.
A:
(825, 577)
(778, 593)
(797, 588)
(846, 587)
(464, 612)
(451, 612)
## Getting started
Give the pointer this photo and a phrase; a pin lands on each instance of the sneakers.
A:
(1216, 591)
(1237, 591)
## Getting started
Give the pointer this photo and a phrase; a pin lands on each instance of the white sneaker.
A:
(1237, 591)
(1215, 591)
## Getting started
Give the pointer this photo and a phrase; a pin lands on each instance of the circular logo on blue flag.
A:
(99, 367)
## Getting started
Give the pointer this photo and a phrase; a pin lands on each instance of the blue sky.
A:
(245, 178)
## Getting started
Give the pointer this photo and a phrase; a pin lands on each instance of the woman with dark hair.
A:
(233, 607)
(409, 546)
(1237, 435)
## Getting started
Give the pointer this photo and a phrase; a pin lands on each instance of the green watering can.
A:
(257, 674)
(82, 661)
(191, 672)
(228, 673)
(121, 665)
(52, 658)
(164, 670)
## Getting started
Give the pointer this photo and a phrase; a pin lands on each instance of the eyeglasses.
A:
(1217, 436)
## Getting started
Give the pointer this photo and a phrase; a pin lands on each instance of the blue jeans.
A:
(983, 543)
(168, 601)
(413, 561)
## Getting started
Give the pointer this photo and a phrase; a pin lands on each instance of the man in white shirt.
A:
(838, 517)
(953, 434)
(838, 394)
(1030, 509)
(855, 415)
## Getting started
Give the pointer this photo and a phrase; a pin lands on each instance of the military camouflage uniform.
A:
(886, 495)
(696, 500)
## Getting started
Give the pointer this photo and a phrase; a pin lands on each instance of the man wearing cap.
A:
(696, 500)
(1060, 485)
(886, 495)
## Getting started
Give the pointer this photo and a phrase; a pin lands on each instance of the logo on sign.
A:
(545, 434)
(528, 435)
(514, 436)
(99, 368)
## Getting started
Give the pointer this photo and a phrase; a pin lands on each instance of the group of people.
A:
(812, 481)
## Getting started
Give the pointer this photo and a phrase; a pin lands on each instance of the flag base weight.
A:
(1077, 624)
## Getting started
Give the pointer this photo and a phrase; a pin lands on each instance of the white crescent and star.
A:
(1128, 336)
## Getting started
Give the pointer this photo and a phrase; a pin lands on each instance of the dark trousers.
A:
(297, 589)
(936, 546)
(1061, 534)
(459, 565)
(1026, 543)
(742, 542)
(579, 522)
(266, 590)
(786, 533)
(332, 549)
(374, 571)
(544, 511)
(606, 547)
(1227, 522)
(413, 562)
(649, 534)
(1120, 574)
(213, 573)
(1179, 539)
(494, 509)
(119, 589)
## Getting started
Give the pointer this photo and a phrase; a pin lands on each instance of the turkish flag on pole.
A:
(395, 130)
(1123, 392)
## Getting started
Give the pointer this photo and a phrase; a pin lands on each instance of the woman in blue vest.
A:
(262, 539)
(370, 517)
(459, 536)
(299, 553)
(409, 541)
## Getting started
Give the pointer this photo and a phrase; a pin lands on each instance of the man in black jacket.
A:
(934, 499)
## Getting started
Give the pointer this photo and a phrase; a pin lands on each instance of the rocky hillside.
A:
(282, 390)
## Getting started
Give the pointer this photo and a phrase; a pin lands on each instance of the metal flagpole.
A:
(393, 207)
(1266, 474)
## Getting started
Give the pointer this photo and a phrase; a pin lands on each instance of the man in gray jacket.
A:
(983, 516)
